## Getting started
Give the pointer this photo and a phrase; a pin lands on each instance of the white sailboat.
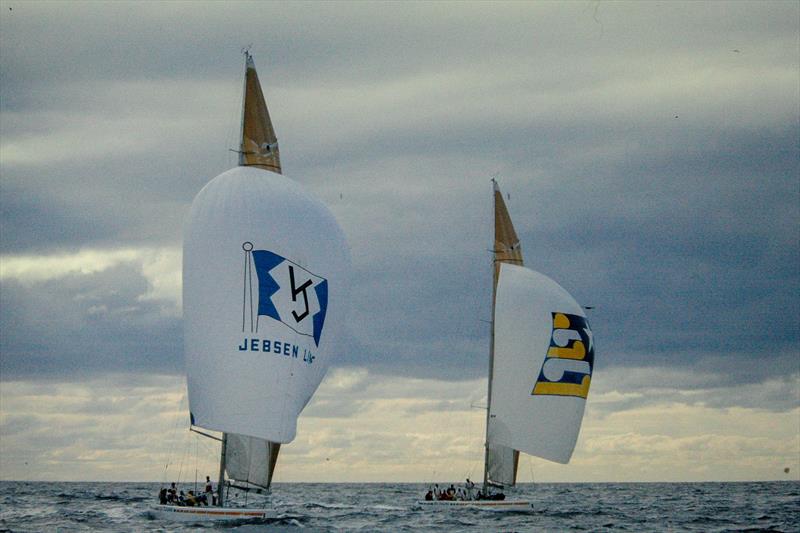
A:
(266, 276)
(541, 358)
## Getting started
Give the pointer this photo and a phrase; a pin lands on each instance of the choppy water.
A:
(771, 506)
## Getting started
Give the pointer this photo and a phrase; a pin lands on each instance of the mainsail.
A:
(259, 146)
(500, 462)
(265, 278)
(250, 460)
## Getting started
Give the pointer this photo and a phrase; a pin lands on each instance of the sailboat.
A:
(541, 357)
(266, 276)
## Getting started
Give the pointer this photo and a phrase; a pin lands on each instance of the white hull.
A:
(205, 514)
(487, 505)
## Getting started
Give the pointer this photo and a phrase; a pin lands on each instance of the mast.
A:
(491, 354)
(221, 483)
(259, 148)
(491, 370)
(506, 249)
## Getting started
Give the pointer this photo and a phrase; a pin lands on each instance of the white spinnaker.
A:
(529, 310)
(250, 373)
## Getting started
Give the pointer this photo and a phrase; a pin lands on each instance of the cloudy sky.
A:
(650, 151)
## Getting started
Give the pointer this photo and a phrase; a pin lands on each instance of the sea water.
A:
(763, 506)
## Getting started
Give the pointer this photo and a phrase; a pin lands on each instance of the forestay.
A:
(543, 359)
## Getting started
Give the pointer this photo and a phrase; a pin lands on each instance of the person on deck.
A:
(181, 499)
(448, 495)
(470, 486)
(209, 492)
(191, 500)
(429, 495)
(162, 496)
(172, 494)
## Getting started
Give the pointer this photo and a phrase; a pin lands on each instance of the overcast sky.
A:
(650, 151)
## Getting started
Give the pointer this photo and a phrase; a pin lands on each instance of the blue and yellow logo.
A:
(567, 369)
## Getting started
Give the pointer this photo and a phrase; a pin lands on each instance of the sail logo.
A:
(286, 292)
(567, 368)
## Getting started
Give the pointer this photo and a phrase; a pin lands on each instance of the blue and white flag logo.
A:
(287, 293)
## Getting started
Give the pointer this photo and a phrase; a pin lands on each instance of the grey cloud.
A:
(84, 325)
(734, 380)
(332, 408)
(37, 221)
(128, 40)
(682, 231)
(668, 271)
(15, 425)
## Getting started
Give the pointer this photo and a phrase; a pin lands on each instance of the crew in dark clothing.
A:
(172, 494)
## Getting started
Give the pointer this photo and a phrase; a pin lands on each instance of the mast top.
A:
(248, 58)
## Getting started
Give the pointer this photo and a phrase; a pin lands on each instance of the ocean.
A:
(707, 507)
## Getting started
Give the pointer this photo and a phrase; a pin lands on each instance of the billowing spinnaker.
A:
(266, 273)
(543, 360)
